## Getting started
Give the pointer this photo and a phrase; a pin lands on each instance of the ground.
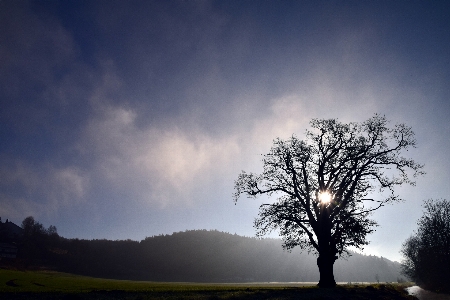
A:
(54, 285)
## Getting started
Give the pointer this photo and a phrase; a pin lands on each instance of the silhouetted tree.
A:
(37, 240)
(427, 253)
(324, 181)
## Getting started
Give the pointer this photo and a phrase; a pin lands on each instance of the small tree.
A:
(427, 253)
(323, 184)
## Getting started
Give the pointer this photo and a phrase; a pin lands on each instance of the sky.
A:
(128, 119)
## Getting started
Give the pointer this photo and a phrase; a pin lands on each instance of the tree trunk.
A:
(325, 264)
(327, 249)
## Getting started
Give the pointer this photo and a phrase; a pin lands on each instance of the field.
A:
(54, 285)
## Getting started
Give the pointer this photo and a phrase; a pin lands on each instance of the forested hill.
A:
(207, 256)
(227, 257)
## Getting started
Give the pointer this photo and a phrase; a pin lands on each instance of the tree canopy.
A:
(427, 253)
(329, 183)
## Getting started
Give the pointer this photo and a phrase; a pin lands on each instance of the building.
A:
(10, 235)
(8, 250)
(10, 232)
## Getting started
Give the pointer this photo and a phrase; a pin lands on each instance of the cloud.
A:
(170, 164)
(36, 51)
(15, 208)
(35, 189)
(154, 165)
(68, 183)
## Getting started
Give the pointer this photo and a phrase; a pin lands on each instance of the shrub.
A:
(427, 253)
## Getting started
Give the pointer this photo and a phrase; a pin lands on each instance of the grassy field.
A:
(54, 285)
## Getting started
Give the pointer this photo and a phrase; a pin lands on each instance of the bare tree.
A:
(324, 184)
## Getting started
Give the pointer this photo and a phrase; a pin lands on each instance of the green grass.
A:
(54, 285)
(47, 281)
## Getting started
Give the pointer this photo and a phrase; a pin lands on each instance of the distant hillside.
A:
(209, 256)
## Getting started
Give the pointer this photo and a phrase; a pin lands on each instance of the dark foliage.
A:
(427, 253)
(345, 163)
(196, 256)
(37, 242)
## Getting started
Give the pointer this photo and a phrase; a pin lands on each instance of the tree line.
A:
(197, 255)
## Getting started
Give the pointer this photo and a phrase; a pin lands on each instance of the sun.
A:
(324, 197)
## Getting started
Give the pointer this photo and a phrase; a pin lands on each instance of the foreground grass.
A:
(54, 285)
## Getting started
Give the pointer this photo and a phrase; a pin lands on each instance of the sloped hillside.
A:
(211, 256)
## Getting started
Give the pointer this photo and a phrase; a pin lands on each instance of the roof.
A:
(9, 230)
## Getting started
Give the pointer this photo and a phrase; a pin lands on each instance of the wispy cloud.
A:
(34, 189)
(156, 165)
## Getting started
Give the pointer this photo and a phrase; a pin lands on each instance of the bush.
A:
(427, 253)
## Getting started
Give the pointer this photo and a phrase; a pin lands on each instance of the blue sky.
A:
(127, 119)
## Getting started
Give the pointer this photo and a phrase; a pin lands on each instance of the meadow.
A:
(16, 284)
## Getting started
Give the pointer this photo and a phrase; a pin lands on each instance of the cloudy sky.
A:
(127, 119)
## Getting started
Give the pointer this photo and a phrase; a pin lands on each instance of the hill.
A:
(208, 256)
